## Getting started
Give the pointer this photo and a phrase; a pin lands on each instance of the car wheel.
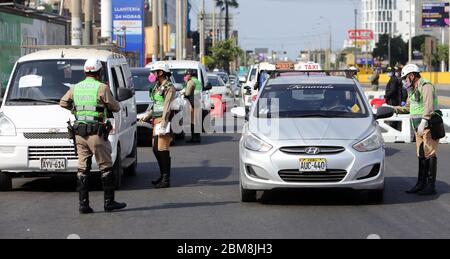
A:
(205, 114)
(118, 170)
(375, 196)
(5, 182)
(131, 171)
(248, 195)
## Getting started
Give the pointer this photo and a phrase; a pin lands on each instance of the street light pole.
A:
(410, 33)
(356, 27)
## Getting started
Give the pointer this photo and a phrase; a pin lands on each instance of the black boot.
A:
(83, 191)
(165, 169)
(430, 189)
(158, 158)
(192, 140)
(422, 178)
(108, 188)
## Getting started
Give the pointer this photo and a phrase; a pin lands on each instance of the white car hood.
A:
(38, 117)
(313, 128)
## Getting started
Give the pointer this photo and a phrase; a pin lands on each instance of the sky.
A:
(290, 25)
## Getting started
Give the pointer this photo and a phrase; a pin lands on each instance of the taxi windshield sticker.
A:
(355, 108)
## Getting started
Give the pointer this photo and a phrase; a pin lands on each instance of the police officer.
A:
(162, 96)
(422, 103)
(193, 93)
(90, 100)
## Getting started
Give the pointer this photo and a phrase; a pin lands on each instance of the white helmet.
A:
(353, 68)
(160, 65)
(410, 68)
(92, 65)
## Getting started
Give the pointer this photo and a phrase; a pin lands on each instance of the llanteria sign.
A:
(128, 21)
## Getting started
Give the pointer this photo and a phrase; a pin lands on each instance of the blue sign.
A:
(362, 61)
(128, 22)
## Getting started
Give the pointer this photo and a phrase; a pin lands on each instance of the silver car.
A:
(312, 132)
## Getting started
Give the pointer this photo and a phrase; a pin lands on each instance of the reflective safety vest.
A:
(417, 107)
(158, 103)
(198, 86)
(85, 96)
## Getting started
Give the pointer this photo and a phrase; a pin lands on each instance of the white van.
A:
(34, 138)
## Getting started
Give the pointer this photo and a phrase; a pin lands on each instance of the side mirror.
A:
(124, 94)
(384, 113)
(208, 86)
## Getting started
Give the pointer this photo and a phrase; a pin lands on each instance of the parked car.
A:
(322, 134)
(220, 88)
(34, 139)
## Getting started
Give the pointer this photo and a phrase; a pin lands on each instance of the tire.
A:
(5, 182)
(117, 170)
(132, 170)
(247, 195)
(375, 196)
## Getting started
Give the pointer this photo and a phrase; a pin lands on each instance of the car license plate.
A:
(53, 164)
(313, 165)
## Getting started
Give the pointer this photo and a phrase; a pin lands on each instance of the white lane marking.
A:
(373, 236)
(73, 236)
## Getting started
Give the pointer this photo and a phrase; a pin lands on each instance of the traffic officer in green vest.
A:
(162, 96)
(90, 101)
(193, 93)
(422, 104)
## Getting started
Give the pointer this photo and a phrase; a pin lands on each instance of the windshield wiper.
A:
(49, 101)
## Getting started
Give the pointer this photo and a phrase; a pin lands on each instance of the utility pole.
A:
(161, 29)
(87, 36)
(185, 14)
(443, 42)
(61, 8)
(214, 26)
(106, 20)
(155, 30)
(179, 33)
(76, 22)
(356, 28)
(202, 32)
(410, 33)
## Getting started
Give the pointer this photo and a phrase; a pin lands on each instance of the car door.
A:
(122, 133)
(130, 107)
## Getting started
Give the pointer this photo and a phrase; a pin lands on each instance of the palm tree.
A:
(224, 5)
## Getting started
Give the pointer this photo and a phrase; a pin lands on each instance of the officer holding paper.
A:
(162, 96)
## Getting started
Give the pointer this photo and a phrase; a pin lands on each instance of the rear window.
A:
(302, 100)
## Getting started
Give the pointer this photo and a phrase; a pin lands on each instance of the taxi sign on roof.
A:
(309, 66)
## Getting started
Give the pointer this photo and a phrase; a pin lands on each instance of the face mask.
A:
(390, 74)
(186, 79)
(397, 74)
(406, 84)
(152, 78)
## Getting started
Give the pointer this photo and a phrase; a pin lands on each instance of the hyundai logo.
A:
(312, 150)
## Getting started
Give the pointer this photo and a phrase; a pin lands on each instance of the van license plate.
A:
(53, 164)
(313, 165)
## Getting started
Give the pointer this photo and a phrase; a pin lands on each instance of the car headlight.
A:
(255, 144)
(7, 128)
(371, 143)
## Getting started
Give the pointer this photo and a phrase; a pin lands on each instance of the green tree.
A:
(399, 50)
(223, 53)
(225, 5)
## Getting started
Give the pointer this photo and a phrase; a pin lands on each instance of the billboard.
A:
(435, 15)
(128, 21)
(360, 35)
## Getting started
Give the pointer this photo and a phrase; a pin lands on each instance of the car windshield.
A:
(216, 81)
(140, 80)
(44, 81)
(178, 75)
(224, 77)
(303, 101)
